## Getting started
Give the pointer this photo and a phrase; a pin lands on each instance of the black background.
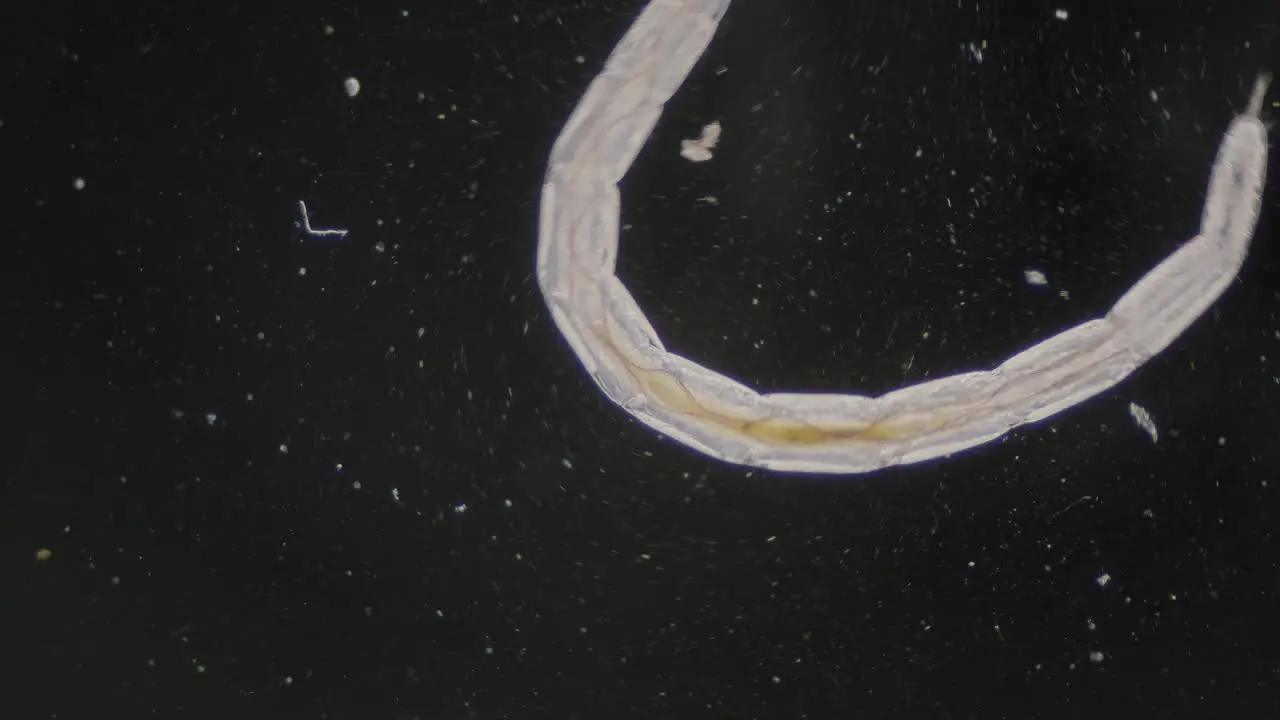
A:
(284, 477)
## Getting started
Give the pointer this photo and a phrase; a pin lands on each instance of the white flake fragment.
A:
(1035, 277)
(700, 150)
(352, 86)
(1144, 421)
(1060, 14)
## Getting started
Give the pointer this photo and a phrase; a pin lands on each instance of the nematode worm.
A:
(835, 433)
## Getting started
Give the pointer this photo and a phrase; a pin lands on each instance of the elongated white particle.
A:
(1144, 421)
(835, 433)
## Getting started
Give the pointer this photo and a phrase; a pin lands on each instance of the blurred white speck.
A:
(78, 183)
(1096, 656)
(700, 150)
(1154, 96)
(1144, 421)
(356, 485)
(1060, 14)
(975, 51)
(337, 467)
(506, 503)
(1222, 442)
(1035, 277)
(460, 508)
(565, 462)
(288, 680)
(284, 449)
(395, 494)
(328, 30)
(380, 247)
(421, 332)
(302, 272)
(352, 86)
(1102, 580)
(210, 418)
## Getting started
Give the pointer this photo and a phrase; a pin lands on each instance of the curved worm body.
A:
(835, 433)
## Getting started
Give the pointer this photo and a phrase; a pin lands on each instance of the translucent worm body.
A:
(835, 433)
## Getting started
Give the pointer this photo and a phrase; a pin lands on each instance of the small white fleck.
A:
(284, 449)
(395, 494)
(78, 183)
(352, 86)
(460, 508)
(506, 503)
(1102, 580)
(1060, 14)
(1096, 657)
(1144, 421)
(302, 272)
(1035, 277)
(1222, 442)
(700, 150)
(210, 418)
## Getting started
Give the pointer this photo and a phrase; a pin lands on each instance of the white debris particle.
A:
(506, 503)
(1096, 656)
(1154, 96)
(1060, 14)
(1222, 442)
(395, 494)
(567, 463)
(1144, 421)
(1102, 580)
(700, 150)
(421, 332)
(284, 449)
(328, 30)
(460, 508)
(78, 183)
(1035, 277)
(352, 86)
(302, 272)
(210, 418)
(356, 485)
(975, 51)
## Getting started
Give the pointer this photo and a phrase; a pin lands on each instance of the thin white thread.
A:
(314, 232)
